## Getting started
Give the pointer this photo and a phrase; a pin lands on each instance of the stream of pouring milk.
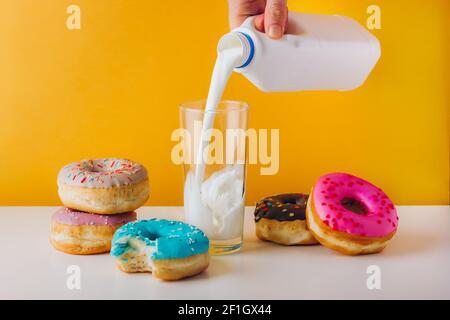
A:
(227, 59)
(216, 205)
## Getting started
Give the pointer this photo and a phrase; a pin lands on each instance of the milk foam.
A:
(217, 205)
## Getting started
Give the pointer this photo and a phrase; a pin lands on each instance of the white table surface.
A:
(416, 264)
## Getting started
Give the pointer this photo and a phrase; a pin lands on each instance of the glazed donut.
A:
(350, 215)
(79, 232)
(281, 219)
(170, 250)
(103, 186)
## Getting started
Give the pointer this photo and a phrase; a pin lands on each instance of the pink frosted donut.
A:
(350, 215)
(103, 186)
(73, 217)
(78, 232)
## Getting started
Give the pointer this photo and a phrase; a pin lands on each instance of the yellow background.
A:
(112, 89)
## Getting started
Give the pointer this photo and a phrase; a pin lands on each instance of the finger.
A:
(236, 21)
(239, 10)
(259, 22)
(275, 18)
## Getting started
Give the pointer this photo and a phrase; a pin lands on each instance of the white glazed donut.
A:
(103, 186)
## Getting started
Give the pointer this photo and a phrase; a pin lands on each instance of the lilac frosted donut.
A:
(78, 232)
(350, 215)
(104, 186)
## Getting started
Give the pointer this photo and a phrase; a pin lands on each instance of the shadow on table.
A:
(217, 268)
(410, 243)
(254, 245)
(261, 245)
(403, 243)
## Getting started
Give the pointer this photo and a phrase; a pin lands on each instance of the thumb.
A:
(275, 18)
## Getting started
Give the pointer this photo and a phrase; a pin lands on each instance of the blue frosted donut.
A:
(170, 249)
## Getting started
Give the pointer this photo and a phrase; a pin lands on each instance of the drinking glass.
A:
(213, 148)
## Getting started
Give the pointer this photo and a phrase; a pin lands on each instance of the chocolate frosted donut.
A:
(283, 207)
(282, 219)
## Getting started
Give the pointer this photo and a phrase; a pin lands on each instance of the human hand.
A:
(270, 15)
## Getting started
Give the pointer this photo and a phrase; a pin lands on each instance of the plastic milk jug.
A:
(318, 52)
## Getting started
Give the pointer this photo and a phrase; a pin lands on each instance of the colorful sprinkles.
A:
(349, 204)
(283, 207)
(102, 173)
